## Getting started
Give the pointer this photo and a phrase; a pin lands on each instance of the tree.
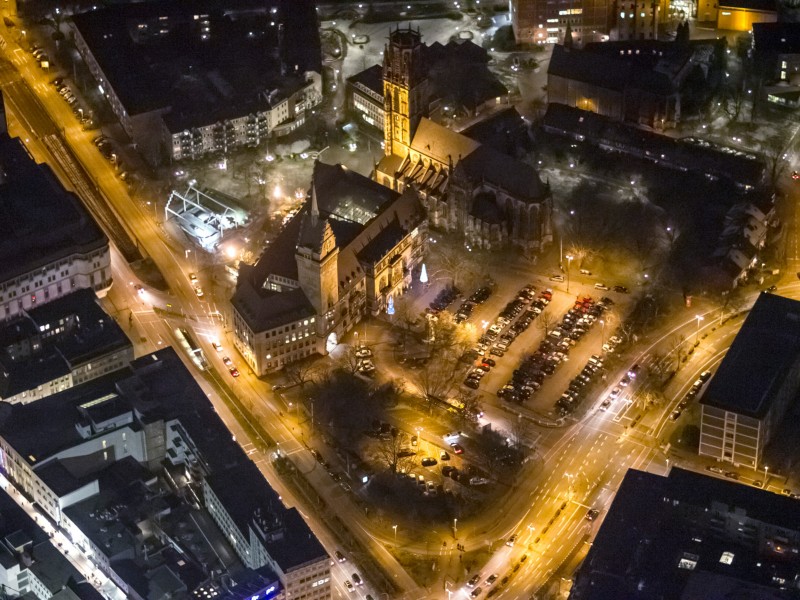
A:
(471, 408)
(546, 321)
(301, 373)
(436, 378)
(348, 361)
(450, 259)
(776, 150)
(676, 344)
(393, 452)
(405, 315)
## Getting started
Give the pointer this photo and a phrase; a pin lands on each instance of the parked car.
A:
(600, 286)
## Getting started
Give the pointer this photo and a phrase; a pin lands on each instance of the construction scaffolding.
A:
(205, 215)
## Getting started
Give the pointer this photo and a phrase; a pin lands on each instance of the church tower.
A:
(317, 259)
(405, 86)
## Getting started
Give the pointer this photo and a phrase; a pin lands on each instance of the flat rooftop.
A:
(203, 61)
(679, 537)
(87, 332)
(766, 348)
(40, 222)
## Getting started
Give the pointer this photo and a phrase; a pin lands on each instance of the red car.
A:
(457, 448)
(234, 371)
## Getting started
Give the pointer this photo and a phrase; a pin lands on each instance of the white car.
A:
(217, 346)
(199, 291)
(451, 436)
(556, 278)
(615, 393)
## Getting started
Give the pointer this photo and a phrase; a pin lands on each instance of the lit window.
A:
(726, 558)
(688, 561)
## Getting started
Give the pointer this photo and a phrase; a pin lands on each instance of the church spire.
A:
(314, 205)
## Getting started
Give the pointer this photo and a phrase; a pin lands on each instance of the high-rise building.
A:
(755, 385)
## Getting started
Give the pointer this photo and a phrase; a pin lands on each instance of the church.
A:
(491, 198)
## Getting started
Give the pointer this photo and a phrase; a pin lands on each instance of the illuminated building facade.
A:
(740, 15)
(546, 21)
(467, 187)
(354, 245)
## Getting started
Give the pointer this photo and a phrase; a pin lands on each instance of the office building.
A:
(776, 55)
(755, 385)
(49, 244)
(353, 246)
(687, 536)
(58, 345)
(136, 467)
(189, 80)
(546, 22)
(31, 566)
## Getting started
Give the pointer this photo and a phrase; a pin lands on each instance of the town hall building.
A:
(490, 198)
(354, 246)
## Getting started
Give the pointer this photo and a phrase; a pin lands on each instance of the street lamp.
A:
(569, 258)
(766, 476)
(570, 477)
(455, 528)
(697, 334)
(602, 333)
(395, 533)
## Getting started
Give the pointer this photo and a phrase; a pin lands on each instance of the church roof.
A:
(441, 143)
(517, 178)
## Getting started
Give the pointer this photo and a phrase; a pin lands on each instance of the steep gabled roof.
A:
(441, 143)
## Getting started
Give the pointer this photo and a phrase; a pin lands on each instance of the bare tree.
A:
(546, 322)
(451, 260)
(393, 452)
(405, 315)
(436, 378)
(731, 302)
(733, 100)
(776, 151)
(676, 345)
(348, 360)
(301, 373)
